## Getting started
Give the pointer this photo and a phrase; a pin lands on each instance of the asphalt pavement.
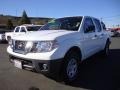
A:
(96, 73)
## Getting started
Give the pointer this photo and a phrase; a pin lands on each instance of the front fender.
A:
(65, 46)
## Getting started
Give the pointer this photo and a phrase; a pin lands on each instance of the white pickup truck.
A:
(60, 46)
(22, 30)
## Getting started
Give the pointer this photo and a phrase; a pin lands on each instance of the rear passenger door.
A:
(99, 33)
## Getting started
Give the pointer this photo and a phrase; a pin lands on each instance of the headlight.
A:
(44, 46)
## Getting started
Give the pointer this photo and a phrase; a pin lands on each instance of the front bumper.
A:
(47, 67)
(53, 55)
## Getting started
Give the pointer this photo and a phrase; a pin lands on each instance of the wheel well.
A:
(108, 41)
(75, 49)
(72, 49)
(8, 38)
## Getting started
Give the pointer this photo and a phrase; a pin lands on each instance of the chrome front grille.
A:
(19, 46)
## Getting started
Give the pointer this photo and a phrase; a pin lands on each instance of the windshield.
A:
(33, 28)
(68, 23)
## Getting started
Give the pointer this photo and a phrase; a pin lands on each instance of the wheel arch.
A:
(108, 41)
(63, 70)
(8, 38)
(74, 49)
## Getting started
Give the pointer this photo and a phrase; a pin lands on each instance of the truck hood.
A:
(42, 35)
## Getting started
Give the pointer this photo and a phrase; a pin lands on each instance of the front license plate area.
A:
(18, 64)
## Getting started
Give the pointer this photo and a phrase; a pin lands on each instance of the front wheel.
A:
(71, 66)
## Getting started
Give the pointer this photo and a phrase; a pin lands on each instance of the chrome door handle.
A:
(102, 34)
(95, 37)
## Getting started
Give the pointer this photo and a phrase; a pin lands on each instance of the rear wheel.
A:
(71, 66)
(105, 52)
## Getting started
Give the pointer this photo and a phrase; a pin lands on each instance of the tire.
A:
(105, 52)
(71, 66)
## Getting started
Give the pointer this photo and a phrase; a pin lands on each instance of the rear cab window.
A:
(22, 29)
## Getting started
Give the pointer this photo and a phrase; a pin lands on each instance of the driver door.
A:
(90, 39)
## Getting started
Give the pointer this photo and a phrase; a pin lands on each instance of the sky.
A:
(107, 10)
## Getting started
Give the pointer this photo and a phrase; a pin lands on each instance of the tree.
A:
(24, 19)
(9, 24)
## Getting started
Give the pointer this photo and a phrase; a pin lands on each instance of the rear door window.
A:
(98, 25)
(23, 29)
(103, 26)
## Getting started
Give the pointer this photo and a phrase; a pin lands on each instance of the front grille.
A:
(19, 46)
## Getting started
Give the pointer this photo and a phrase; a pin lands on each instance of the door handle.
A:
(102, 34)
(94, 37)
